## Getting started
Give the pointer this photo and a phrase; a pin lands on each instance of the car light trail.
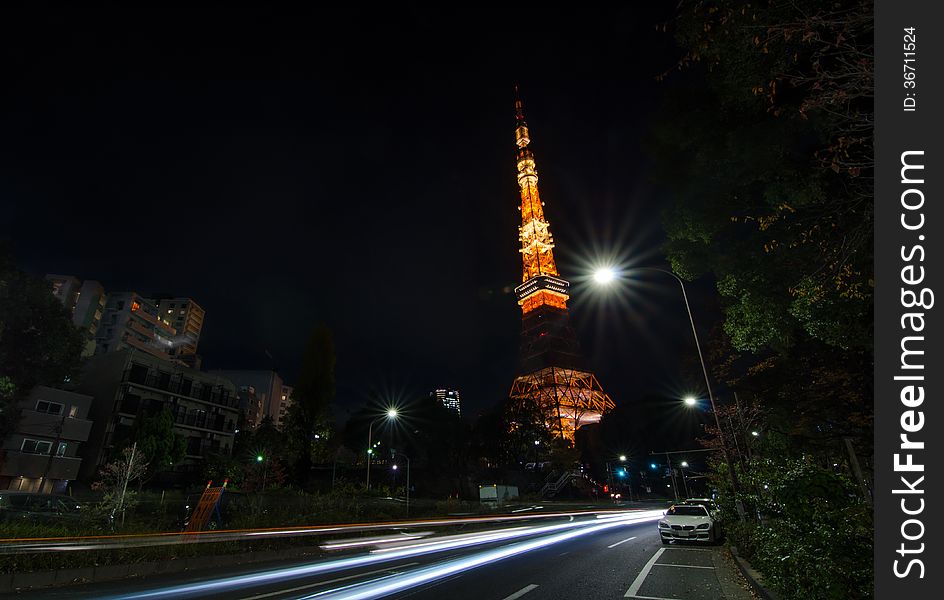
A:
(430, 547)
(398, 583)
(111, 542)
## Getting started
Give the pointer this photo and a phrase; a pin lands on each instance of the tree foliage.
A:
(309, 414)
(766, 150)
(38, 342)
(155, 437)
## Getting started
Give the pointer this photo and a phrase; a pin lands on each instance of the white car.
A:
(689, 522)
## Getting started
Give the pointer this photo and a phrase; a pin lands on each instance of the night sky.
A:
(354, 168)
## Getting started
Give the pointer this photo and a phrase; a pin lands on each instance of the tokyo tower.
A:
(553, 381)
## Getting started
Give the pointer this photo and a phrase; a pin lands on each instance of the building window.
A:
(73, 412)
(61, 451)
(36, 446)
(49, 408)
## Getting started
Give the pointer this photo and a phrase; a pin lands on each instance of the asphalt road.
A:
(585, 558)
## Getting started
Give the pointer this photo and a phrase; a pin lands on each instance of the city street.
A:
(604, 557)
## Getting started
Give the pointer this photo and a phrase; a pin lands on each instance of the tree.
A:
(114, 479)
(767, 153)
(309, 414)
(38, 343)
(155, 437)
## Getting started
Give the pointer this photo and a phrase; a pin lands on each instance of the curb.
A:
(18, 582)
(753, 577)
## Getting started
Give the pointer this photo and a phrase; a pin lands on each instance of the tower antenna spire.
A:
(519, 107)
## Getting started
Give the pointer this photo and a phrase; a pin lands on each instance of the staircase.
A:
(552, 485)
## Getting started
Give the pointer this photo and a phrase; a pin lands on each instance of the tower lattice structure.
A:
(553, 379)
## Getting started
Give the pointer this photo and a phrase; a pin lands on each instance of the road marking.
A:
(330, 581)
(521, 592)
(620, 542)
(652, 598)
(683, 566)
(643, 574)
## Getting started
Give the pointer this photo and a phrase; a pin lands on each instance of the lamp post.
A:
(391, 414)
(265, 467)
(395, 454)
(684, 480)
(602, 278)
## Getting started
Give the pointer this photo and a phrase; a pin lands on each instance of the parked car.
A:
(38, 508)
(690, 522)
(708, 503)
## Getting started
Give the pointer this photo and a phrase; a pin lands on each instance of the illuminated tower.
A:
(553, 381)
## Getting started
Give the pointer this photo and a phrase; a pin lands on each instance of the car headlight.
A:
(704, 526)
(664, 524)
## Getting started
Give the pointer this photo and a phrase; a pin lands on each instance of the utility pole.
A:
(53, 451)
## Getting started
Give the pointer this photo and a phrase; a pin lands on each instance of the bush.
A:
(811, 533)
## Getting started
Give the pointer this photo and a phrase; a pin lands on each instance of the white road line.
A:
(521, 592)
(311, 585)
(643, 574)
(652, 598)
(683, 566)
(620, 542)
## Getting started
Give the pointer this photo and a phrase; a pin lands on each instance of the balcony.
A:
(148, 348)
(22, 464)
(45, 425)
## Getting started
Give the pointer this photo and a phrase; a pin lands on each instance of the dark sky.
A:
(355, 168)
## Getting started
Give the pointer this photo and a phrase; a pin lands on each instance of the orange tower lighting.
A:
(553, 381)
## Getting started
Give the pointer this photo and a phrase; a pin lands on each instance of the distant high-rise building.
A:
(448, 398)
(268, 389)
(186, 316)
(132, 321)
(250, 405)
(285, 401)
(85, 301)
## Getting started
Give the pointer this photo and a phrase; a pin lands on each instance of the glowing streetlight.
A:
(755, 433)
(684, 463)
(390, 416)
(259, 458)
(691, 401)
(622, 457)
(394, 467)
(604, 275)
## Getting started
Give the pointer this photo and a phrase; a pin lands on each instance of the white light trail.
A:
(399, 583)
(388, 554)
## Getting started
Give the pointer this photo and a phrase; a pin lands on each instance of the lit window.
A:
(73, 412)
(61, 451)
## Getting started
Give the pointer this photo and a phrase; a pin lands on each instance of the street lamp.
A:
(691, 401)
(265, 467)
(684, 479)
(395, 454)
(391, 415)
(601, 277)
(622, 457)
